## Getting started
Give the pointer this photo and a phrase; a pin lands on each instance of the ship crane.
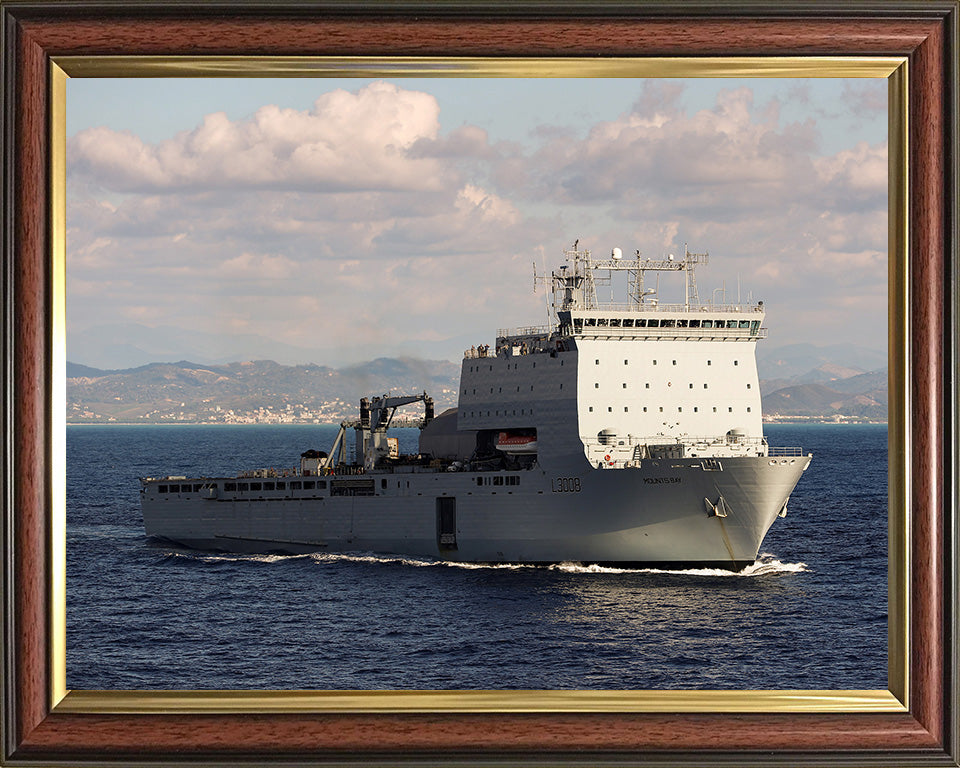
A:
(376, 415)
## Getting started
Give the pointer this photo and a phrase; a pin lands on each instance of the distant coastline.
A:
(798, 384)
(397, 425)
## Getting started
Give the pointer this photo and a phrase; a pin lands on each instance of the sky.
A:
(338, 220)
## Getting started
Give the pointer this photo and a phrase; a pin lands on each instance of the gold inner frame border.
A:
(892, 700)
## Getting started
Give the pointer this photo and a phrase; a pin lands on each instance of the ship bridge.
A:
(580, 314)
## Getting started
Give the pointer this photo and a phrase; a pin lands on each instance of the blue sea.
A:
(143, 615)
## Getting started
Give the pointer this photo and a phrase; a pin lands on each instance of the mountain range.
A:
(797, 381)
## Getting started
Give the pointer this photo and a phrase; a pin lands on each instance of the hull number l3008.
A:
(565, 485)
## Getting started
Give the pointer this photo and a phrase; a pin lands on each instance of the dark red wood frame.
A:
(924, 32)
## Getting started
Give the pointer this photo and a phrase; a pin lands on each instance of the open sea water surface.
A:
(812, 613)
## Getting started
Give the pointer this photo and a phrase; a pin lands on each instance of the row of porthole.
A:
(476, 369)
(474, 414)
(696, 409)
(596, 385)
(627, 362)
(773, 462)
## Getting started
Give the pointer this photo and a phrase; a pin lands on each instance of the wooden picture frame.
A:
(40, 727)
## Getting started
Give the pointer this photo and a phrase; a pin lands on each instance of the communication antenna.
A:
(546, 299)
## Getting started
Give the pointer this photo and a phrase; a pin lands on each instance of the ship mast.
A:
(574, 285)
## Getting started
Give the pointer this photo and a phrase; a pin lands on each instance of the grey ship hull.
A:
(662, 513)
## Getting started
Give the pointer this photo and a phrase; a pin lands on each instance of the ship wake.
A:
(766, 565)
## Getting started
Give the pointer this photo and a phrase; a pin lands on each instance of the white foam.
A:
(766, 564)
(208, 557)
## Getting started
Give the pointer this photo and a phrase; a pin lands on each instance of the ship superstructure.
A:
(619, 433)
(627, 380)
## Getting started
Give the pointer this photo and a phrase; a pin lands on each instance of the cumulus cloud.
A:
(362, 216)
(863, 97)
(348, 141)
(657, 149)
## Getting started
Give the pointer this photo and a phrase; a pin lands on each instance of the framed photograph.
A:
(916, 716)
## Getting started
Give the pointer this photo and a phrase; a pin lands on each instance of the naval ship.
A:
(625, 434)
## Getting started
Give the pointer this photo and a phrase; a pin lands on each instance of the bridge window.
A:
(707, 324)
(590, 321)
(309, 485)
(256, 486)
(269, 487)
(162, 489)
(641, 322)
(744, 324)
(694, 323)
(653, 323)
(681, 323)
(614, 322)
(243, 487)
(668, 323)
(232, 486)
(628, 322)
(602, 322)
(731, 323)
(295, 485)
